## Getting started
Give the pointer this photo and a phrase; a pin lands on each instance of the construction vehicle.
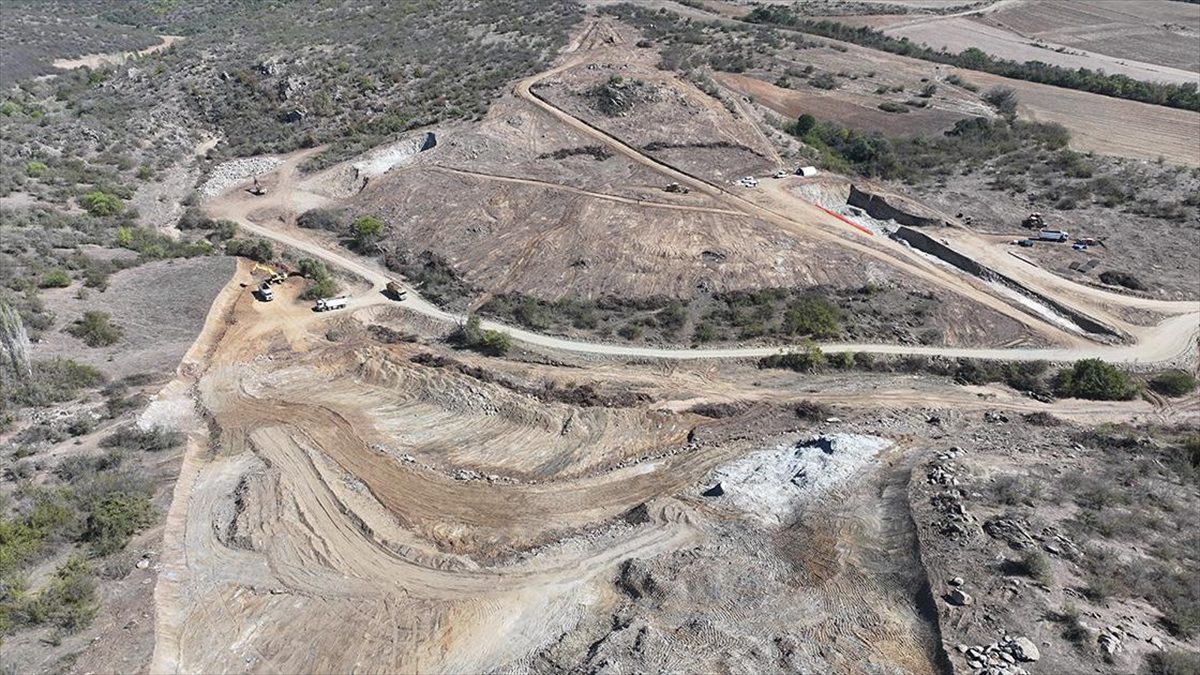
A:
(749, 181)
(257, 190)
(781, 174)
(397, 291)
(677, 188)
(328, 304)
(265, 293)
(1053, 235)
(1033, 222)
(274, 276)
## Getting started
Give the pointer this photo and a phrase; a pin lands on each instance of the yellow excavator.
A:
(273, 276)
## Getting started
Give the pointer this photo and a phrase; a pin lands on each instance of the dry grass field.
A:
(991, 34)
(1159, 32)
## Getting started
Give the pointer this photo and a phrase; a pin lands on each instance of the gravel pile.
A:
(227, 174)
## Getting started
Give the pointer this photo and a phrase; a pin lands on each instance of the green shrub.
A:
(893, 107)
(115, 518)
(1036, 565)
(55, 279)
(96, 329)
(1173, 383)
(807, 359)
(54, 381)
(260, 250)
(35, 169)
(142, 440)
(472, 336)
(1096, 380)
(366, 231)
(321, 283)
(22, 539)
(69, 603)
(100, 203)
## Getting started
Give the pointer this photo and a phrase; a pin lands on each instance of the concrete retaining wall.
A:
(878, 208)
(925, 243)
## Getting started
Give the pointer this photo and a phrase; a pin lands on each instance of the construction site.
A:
(396, 458)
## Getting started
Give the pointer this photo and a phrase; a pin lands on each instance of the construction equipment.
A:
(749, 181)
(257, 190)
(677, 188)
(328, 304)
(274, 276)
(781, 174)
(265, 293)
(1053, 235)
(1034, 222)
(397, 291)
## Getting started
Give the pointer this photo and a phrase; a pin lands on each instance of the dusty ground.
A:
(348, 502)
(161, 306)
(532, 532)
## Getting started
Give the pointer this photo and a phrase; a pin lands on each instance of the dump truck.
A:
(397, 291)
(1053, 235)
(327, 304)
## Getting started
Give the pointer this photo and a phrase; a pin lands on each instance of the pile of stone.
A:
(1000, 658)
(954, 521)
(228, 174)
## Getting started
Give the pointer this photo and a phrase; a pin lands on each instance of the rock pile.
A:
(228, 174)
(1000, 658)
(954, 521)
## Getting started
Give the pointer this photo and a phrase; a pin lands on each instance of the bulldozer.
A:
(677, 188)
(1034, 222)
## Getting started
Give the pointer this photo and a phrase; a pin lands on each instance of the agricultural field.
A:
(1162, 33)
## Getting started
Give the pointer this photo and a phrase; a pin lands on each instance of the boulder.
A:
(1024, 649)
(959, 597)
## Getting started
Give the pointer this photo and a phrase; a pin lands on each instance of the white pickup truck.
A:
(327, 304)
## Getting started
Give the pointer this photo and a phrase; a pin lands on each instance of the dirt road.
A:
(1173, 341)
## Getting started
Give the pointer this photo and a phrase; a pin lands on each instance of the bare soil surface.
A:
(160, 306)
(331, 494)
(1162, 33)
(992, 34)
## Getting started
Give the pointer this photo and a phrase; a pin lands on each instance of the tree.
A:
(1095, 380)
(804, 124)
(366, 231)
(472, 335)
(1003, 99)
(928, 90)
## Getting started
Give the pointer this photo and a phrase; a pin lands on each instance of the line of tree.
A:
(1185, 96)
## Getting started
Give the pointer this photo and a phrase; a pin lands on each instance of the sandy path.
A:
(114, 58)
